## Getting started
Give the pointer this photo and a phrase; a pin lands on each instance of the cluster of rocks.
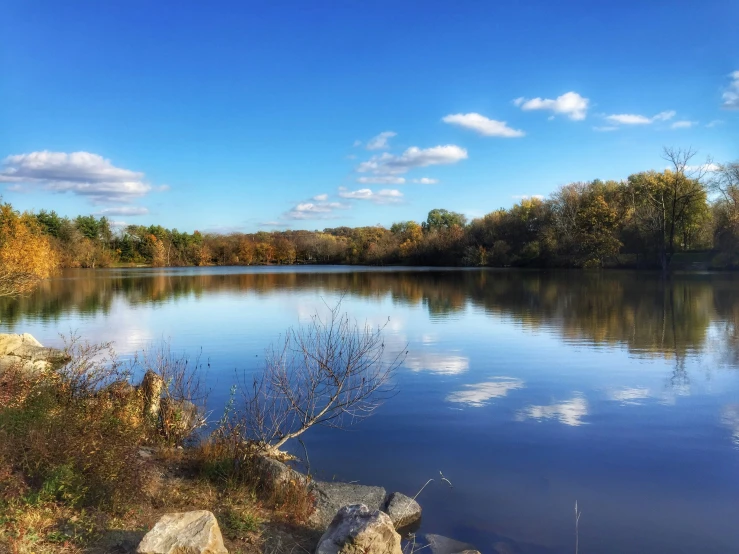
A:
(26, 354)
(353, 519)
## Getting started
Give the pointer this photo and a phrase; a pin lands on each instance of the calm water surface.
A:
(529, 390)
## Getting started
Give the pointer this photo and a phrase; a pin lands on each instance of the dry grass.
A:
(84, 469)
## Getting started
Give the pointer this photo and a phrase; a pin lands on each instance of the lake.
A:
(529, 390)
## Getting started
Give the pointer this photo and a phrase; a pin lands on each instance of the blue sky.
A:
(273, 114)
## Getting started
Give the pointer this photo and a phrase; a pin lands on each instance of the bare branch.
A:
(330, 372)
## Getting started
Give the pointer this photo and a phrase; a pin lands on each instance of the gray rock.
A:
(277, 472)
(438, 544)
(25, 353)
(402, 510)
(184, 533)
(330, 497)
(358, 530)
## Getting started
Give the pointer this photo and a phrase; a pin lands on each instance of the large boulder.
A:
(438, 544)
(26, 354)
(358, 530)
(184, 533)
(329, 497)
(403, 510)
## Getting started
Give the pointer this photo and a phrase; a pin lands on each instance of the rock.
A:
(151, 389)
(278, 473)
(402, 510)
(184, 533)
(25, 353)
(437, 544)
(179, 417)
(358, 530)
(330, 497)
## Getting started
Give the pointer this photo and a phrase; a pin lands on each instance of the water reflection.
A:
(478, 395)
(570, 412)
(730, 418)
(630, 395)
(437, 362)
(648, 316)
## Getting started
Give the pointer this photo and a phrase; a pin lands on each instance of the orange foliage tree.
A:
(26, 255)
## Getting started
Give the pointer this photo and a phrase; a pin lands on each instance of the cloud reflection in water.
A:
(478, 394)
(569, 412)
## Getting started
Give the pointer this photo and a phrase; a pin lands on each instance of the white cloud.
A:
(425, 181)
(570, 104)
(273, 224)
(357, 143)
(316, 209)
(715, 123)
(443, 364)
(483, 125)
(80, 173)
(413, 157)
(380, 141)
(569, 412)
(730, 97)
(704, 168)
(605, 128)
(684, 124)
(478, 394)
(320, 197)
(527, 196)
(381, 180)
(384, 196)
(629, 395)
(635, 119)
(124, 211)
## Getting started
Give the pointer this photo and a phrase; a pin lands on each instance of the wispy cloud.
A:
(636, 119)
(570, 412)
(123, 211)
(715, 123)
(479, 394)
(482, 125)
(381, 180)
(379, 142)
(425, 181)
(605, 128)
(730, 97)
(80, 173)
(413, 157)
(384, 196)
(316, 208)
(570, 104)
(683, 124)
(527, 196)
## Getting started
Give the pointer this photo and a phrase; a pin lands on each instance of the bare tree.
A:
(664, 203)
(726, 183)
(330, 372)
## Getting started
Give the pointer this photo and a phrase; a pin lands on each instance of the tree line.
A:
(644, 221)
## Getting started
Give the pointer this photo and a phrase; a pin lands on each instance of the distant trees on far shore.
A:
(643, 221)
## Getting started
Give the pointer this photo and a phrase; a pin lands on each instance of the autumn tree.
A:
(26, 255)
(665, 203)
(597, 225)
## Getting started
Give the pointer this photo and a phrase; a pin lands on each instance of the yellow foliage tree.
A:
(26, 255)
